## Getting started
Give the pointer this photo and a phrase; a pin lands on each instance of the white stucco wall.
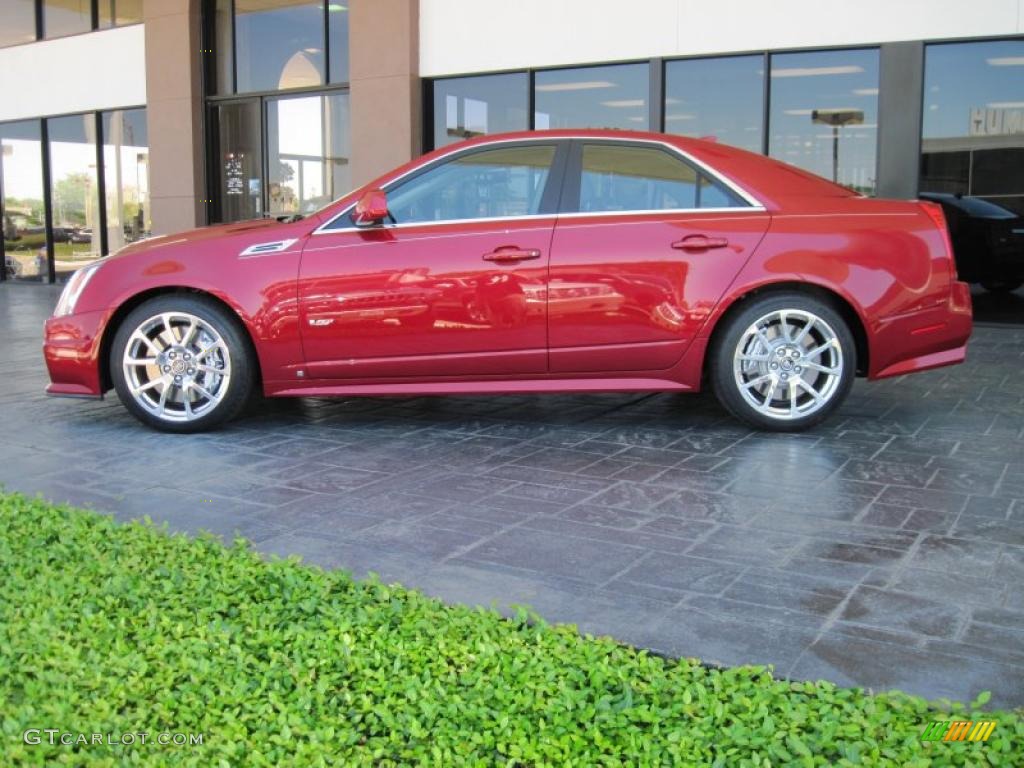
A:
(96, 70)
(462, 36)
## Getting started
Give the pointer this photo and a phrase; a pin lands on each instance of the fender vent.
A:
(261, 249)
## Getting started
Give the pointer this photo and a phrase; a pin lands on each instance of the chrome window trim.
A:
(753, 204)
(676, 211)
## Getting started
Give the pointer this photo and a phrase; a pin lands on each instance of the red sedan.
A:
(561, 261)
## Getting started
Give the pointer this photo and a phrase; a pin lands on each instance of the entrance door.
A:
(238, 160)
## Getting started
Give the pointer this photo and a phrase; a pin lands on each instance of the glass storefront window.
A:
(24, 217)
(116, 13)
(973, 126)
(19, 22)
(719, 97)
(337, 33)
(66, 17)
(74, 193)
(239, 160)
(279, 44)
(593, 97)
(465, 107)
(824, 114)
(126, 177)
(307, 168)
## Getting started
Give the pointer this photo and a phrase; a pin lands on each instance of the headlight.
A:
(73, 290)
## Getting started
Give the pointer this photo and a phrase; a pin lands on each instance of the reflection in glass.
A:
(66, 17)
(24, 220)
(488, 184)
(279, 44)
(973, 127)
(308, 167)
(616, 178)
(19, 22)
(593, 97)
(824, 114)
(126, 177)
(337, 33)
(720, 97)
(465, 107)
(74, 193)
(239, 170)
(634, 179)
(116, 13)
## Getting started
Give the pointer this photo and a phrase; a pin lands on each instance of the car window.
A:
(982, 209)
(623, 178)
(493, 183)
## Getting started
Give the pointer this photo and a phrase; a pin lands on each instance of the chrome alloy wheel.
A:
(788, 364)
(177, 366)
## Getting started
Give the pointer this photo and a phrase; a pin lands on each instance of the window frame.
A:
(211, 91)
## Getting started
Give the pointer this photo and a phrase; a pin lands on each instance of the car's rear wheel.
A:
(1001, 286)
(182, 364)
(784, 362)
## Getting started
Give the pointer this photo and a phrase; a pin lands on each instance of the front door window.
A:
(495, 183)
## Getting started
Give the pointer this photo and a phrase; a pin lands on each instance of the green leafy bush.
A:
(114, 629)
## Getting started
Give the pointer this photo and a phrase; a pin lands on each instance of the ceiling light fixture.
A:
(1006, 61)
(816, 71)
(586, 85)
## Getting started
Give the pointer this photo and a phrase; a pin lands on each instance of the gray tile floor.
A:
(884, 550)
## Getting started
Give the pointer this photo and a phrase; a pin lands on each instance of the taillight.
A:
(934, 211)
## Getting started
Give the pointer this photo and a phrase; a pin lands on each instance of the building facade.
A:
(125, 118)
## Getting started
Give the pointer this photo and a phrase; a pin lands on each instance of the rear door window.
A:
(617, 177)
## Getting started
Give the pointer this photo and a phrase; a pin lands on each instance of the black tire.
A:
(240, 358)
(1001, 286)
(722, 361)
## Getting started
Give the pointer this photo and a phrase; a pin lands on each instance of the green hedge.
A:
(114, 629)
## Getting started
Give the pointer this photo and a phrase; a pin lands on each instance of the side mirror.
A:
(371, 209)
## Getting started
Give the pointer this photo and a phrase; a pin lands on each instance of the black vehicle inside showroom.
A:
(988, 241)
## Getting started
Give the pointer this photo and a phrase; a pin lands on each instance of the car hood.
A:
(192, 236)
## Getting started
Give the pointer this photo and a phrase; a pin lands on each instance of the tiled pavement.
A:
(885, 549)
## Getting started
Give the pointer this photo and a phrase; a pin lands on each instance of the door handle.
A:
(510, 253)
(699, 243)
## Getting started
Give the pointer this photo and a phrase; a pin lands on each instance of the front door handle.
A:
(699, 243)
(511, 253)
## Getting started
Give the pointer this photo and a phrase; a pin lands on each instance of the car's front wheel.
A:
(182, 363)
(784, 362)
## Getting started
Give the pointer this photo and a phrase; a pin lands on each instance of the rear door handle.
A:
(510, 253)
(699, 243)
